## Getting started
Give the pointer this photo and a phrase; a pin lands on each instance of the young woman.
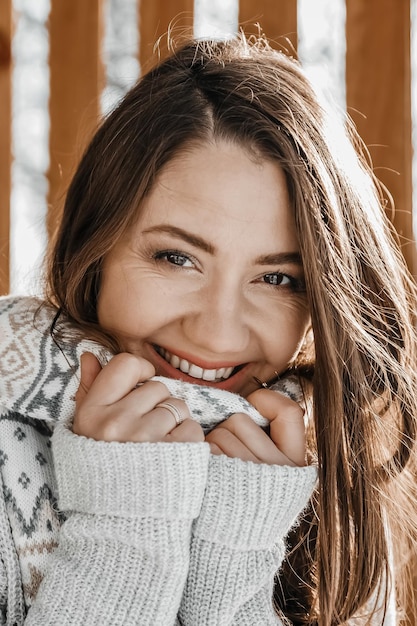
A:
(226, 352)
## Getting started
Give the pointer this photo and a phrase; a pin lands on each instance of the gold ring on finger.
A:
(174, 410)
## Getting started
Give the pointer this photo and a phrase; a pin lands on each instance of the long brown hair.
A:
(362, 300)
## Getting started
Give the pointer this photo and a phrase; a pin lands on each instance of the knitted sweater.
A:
(114, 533)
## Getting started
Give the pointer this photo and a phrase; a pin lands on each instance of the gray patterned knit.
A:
(102, 533)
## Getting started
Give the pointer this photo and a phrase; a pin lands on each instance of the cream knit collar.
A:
(39, 380)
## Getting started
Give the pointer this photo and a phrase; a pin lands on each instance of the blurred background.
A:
(66, 63)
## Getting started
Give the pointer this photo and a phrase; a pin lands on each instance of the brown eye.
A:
(174, 258)
(277, 279)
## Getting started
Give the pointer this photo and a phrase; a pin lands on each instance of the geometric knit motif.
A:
(29, 489)
(31, 394)
(33, 376)
(38, 381)
(29, 493)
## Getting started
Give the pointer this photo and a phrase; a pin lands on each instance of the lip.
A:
(163, 368)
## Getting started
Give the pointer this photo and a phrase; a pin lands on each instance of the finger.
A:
(160, 421)
(287, 428)
(143, 399)
(256, 440)
(229, 444)
(188, 431)
(177, 409)
(89, 370)
(118, 378)
(214, 449)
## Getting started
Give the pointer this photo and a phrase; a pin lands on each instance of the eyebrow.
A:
(194, 240)
(275, 258)
(280, 258)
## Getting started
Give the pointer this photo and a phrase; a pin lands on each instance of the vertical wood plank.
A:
(277, 19)
(156, 17)
(5, 139)
(378, 93)
(76, 81)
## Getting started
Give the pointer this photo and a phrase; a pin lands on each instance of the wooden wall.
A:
(378, 92)
(377, 88)
(76, 82)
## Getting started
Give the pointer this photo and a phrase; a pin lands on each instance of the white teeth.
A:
(184, 366)
(175, 361)
(194, 370)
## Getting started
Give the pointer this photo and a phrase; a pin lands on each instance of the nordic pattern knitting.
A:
(37, 386)
(39, 380)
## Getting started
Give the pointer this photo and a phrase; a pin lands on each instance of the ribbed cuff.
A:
(129, 479)
(252, 504)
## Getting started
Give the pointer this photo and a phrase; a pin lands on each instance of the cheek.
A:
(131, 308)
(289, 333)
(113, 296)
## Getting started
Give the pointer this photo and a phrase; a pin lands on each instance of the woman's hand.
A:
(239, 436)
(111, 407)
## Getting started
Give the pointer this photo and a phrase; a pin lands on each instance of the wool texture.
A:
(124, 533)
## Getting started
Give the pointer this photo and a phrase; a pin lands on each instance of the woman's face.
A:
(208, 285)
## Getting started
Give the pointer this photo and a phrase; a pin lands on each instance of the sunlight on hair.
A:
(321, 49)
(217, 18)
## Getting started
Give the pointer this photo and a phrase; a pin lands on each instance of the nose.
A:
(217, 323)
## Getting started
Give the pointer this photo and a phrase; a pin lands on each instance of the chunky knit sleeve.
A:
(123, 552)
(238, 541)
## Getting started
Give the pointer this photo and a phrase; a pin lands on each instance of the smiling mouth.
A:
(209, 375)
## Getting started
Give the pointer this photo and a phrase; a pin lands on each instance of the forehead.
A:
(221, 186)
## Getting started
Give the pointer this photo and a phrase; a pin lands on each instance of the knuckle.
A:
(148, 431)
(124, 358)
(235, 420)
(192, 430)
(110, 431)
(294, 412)
(159, 388)
(287, 402)
(231, 421)
(217, 434)
(134, 363)
(255, 395)
(197, 431)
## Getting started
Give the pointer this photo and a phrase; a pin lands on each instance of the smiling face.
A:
(208, 284)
